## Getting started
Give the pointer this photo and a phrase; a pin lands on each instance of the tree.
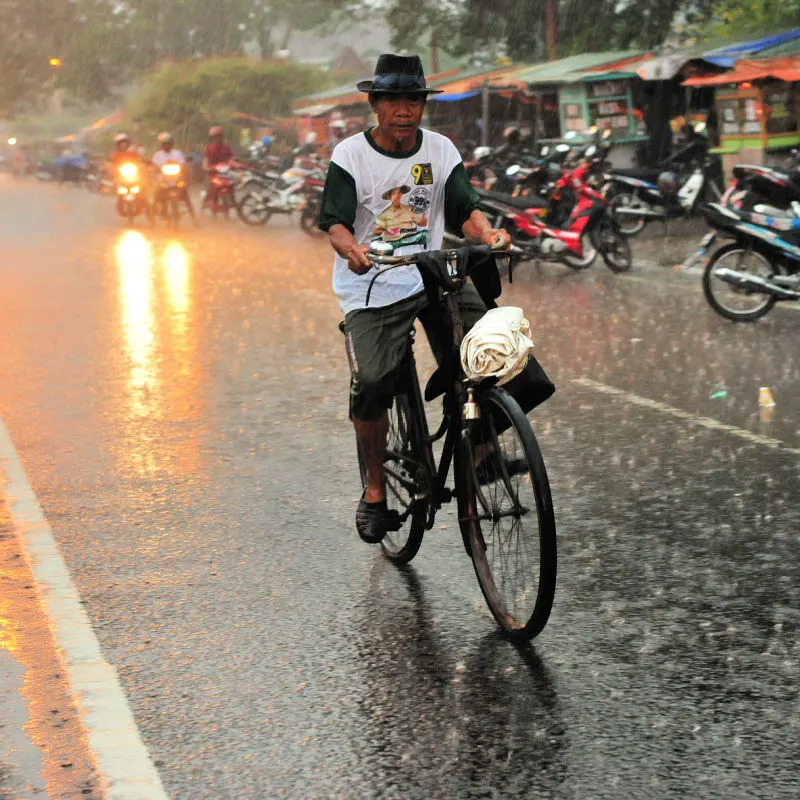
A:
(187, 97)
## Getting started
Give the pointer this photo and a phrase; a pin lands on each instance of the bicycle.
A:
(495, 484)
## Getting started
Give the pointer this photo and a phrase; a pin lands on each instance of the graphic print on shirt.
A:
(404, 223)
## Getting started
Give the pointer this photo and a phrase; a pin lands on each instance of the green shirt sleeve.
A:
(460, 199)
(339, 199)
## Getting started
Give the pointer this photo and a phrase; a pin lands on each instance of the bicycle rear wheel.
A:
(405, 490)
(510, 523)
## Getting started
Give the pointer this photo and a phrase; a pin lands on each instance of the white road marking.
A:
(704, 422)
(125, 770)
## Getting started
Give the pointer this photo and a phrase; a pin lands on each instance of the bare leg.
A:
(372, 445)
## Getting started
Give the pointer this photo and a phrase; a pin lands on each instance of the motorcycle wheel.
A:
(309, 219)
(173, 212)
(589, 254)
(253, 210)
(613, 246)
(628, 226)
(729, 301)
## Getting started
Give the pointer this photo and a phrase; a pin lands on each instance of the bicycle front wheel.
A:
(405, 490)
(509, 522)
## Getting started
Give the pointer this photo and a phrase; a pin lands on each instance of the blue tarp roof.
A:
(452, 98)
(725, 56)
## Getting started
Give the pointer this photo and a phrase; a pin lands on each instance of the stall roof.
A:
(469, 83)
(347, 95)
(726, 56)
(572, 68)
(720, 53)
(784, 69)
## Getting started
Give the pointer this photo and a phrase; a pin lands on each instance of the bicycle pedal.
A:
(394, 524)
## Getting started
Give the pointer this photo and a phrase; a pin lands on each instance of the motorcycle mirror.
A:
(380, 248)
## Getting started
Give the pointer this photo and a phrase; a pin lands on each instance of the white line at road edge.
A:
(125, 770)
(704, 422)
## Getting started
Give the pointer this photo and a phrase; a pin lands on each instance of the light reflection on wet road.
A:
(180, 403)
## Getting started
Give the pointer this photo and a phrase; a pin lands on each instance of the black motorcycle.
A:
(761, 266)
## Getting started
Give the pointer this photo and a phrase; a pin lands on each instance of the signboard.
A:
(573, 117)
(780, 110)
(614, 114)
(607, 89)
(739, 116)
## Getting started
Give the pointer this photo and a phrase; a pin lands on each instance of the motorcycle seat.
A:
(641, 173)
(523, 203)
(783, 222)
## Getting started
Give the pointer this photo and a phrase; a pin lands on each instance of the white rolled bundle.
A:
(498, 345)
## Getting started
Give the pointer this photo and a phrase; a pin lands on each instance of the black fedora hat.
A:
(397, 75)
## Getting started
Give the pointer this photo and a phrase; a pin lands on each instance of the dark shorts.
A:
(377, 339)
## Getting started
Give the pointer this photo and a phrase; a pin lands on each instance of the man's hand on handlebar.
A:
(357, 259)
(345, 244)
(494, 236)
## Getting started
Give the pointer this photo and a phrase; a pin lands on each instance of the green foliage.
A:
(735, 17)
(187, 97)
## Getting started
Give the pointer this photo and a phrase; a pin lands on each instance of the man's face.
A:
(399, 115)
(396, 197)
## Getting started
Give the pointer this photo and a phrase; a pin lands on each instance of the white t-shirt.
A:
(161, 157)
(398, 199)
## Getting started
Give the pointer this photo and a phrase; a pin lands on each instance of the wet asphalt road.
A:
(179, 402)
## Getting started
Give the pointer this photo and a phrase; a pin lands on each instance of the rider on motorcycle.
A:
(217, 152)
(125, 153)
(169, 154)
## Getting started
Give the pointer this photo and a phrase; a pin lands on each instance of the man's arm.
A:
(345, 244)
(337, 217)
(461, 210)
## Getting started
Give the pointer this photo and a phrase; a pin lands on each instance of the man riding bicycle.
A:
(403, 185)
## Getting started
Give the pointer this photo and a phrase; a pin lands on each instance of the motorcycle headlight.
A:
(171, 170)
(129, 172)
(122, 190)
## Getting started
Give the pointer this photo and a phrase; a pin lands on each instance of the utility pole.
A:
(551, 26)
(434, 52)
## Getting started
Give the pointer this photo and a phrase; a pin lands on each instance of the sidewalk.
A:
(42, 747)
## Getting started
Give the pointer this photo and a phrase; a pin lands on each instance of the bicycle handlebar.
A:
(498, 248)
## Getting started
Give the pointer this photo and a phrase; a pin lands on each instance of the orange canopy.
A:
(751, 69)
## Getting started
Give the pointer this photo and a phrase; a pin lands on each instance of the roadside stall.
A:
(468, 97)
(758, 108)
(576, 93)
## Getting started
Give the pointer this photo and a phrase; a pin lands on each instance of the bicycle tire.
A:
(526, 622)
(401, 457)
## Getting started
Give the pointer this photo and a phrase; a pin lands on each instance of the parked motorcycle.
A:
(283, 195)
(589, 225)
(761, 266)
(130, 199)
(312, 202)
(674, 190)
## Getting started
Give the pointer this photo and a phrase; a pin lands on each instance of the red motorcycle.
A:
(571, 227)
(219, 197)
